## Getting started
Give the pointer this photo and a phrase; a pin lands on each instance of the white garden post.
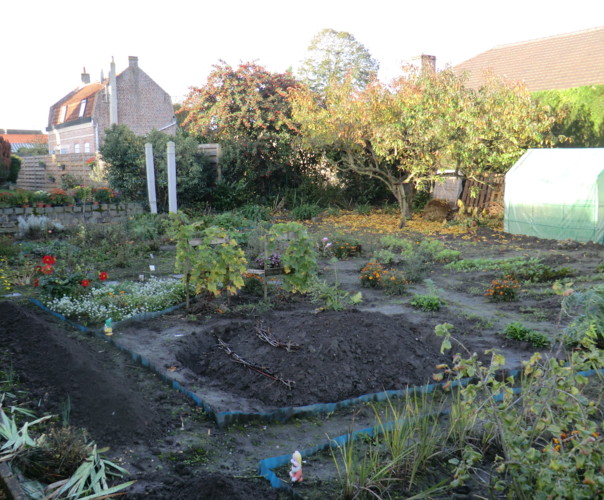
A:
(172, 203)
(151, 178)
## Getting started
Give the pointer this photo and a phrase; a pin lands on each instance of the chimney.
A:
(133, 61)
(428, 63)
(85, 77)
(112, 94)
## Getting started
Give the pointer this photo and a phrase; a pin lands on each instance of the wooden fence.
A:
(46, 172)
(488, 190)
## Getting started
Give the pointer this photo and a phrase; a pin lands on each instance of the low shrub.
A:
(503, 290)
(395, 283)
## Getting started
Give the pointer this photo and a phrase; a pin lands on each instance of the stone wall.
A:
(70, 216)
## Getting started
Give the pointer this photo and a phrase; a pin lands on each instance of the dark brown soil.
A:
(336, 356)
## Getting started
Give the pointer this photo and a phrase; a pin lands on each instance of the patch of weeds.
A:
(305, 212)
(427, 303)
(479, 321)
(259, 307)
(517, 331)
(363, 209)
(538, 314)
(332, 297)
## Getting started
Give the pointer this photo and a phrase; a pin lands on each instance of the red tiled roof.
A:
(557, 62)
(25, 138)
(73, 101)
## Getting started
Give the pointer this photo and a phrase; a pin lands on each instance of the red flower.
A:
(36, 282)
(49, 259)
(47, 269)
(103, 276)
(85, 283)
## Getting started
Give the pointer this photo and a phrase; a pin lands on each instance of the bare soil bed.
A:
(171, 446)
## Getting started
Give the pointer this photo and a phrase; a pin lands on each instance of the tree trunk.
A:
(401, 199)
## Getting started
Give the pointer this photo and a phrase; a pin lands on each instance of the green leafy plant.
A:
(547, 441)
(586, 310)
(332, 297)
(299, 259)
(427, 303)
(517, 331)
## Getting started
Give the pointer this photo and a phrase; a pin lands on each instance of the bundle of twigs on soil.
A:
(267, 336)
(253, 366)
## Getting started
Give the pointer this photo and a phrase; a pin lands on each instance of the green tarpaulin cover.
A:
(556, 194)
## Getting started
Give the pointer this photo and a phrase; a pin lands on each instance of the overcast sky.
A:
(177, 42)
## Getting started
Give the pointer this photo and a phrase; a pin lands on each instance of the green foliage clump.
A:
(254, 212)
(331, 296)
(395, 283)
(517, 331)
(427, 303)
(364, 209)
(586, 310)
(545, 442)
(531, 270)
(299, 259)
(305, 212)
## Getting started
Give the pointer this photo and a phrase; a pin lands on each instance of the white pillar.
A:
(172, 177)
(151, 177)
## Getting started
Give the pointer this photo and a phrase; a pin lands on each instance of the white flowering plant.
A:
(120, 301)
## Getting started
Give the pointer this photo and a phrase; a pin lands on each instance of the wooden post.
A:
(150, 177)
(172, 202)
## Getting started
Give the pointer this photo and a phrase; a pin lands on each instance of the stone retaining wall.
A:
(70, 216)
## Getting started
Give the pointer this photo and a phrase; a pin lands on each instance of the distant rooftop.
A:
(556, 62)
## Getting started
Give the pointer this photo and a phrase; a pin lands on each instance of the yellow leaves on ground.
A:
(386, 223)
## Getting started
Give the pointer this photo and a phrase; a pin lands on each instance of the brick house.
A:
(557, 62)
(24, 138)
(77, 122)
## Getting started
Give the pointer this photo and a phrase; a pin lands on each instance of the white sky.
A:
(177, 42)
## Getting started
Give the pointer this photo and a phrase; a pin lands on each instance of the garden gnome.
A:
(296, 472)
(108, 327)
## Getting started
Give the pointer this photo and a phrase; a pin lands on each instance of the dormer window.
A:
(82, 108)
(62, 114)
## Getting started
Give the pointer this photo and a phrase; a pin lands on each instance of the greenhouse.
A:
(556, 194)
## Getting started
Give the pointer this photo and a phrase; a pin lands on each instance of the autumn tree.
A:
(403, 134)
(246, 110)
(334, 55)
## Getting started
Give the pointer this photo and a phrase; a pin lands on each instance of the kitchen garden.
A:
(487, 344)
